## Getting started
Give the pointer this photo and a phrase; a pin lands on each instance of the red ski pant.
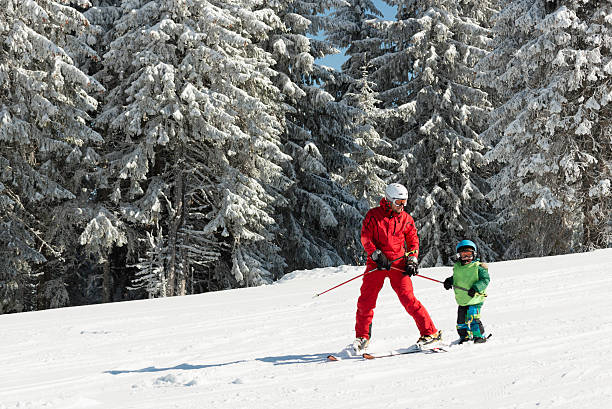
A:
(402, 285)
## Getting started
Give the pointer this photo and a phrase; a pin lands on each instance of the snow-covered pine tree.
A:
(45, 136)
(361, 40)
(102, 16)
(325, 217)
(153, 278)
(427, 77)
(321, 220)
(86, 284)
(552, 68)
(194, 124)
(366, 176)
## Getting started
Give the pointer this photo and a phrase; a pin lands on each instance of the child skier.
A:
(471, 274)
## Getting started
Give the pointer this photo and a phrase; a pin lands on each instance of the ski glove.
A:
(382, 262)
(411, 266)
(472, 292)
(448, 283)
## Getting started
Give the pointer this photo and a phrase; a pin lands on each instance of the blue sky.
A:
(336, 60)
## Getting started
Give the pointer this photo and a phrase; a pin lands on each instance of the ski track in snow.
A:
(266, 347)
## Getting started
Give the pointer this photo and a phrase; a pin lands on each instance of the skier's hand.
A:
(411, 266)
(471, 292)
(448, 283)
(382, 262)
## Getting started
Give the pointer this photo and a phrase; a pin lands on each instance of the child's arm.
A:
(483, 279)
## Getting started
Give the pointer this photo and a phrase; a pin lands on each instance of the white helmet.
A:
(396, 191)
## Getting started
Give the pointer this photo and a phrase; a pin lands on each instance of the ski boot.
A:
(428, 339)
(360, 345)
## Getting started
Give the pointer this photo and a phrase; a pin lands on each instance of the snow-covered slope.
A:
(265, 347)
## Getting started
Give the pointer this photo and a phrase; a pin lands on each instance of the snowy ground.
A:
(265, 347)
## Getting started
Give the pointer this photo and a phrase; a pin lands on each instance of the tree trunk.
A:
(182, 277)
(182, 283)
(174, 227)
(106, 281)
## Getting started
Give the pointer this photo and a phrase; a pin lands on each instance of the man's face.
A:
(397, 205)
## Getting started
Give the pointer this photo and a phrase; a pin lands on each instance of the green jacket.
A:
(473, 275)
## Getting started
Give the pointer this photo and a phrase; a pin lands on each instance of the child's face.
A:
(466, 255)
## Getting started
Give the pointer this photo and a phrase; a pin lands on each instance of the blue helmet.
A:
(466, 243)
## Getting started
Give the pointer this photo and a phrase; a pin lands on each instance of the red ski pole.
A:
(367, 272)
(441, 282)
(433, 279)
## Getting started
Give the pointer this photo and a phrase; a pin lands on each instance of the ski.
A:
(411, 350)
(337, 357)
(346, 353)
(349, 354)
(433, 350)
(343, 356)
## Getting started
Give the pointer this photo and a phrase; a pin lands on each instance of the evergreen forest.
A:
(156, 148)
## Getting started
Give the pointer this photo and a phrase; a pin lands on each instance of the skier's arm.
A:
(367, 233)
(411, 239)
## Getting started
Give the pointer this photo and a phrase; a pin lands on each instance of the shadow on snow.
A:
(181, 367)
(294, 359)
(276, 360)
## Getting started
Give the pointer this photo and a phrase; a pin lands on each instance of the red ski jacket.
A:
(393, 233)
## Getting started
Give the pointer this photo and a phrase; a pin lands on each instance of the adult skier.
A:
(389, 237)
(471, 274)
